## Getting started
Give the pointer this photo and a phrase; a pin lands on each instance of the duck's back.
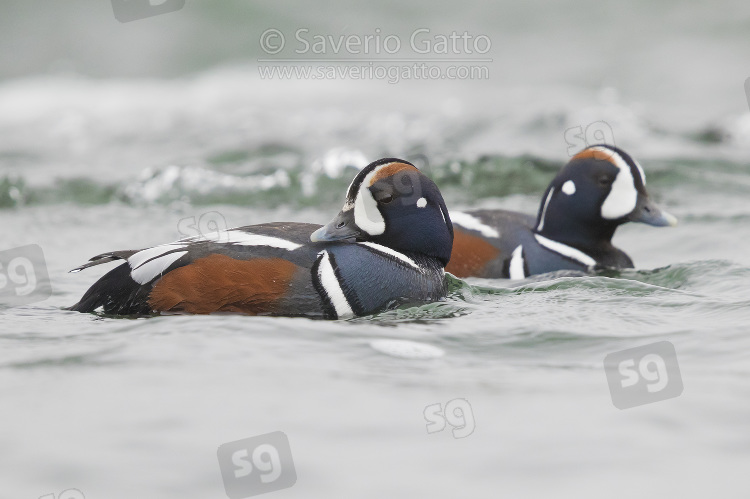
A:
(484, 241)
(505, 244)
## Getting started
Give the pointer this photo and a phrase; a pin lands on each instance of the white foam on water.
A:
(406, 349)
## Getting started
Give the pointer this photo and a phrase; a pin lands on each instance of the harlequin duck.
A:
(388, 246)
(601, 188)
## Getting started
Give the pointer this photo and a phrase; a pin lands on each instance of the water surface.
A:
(102, 160)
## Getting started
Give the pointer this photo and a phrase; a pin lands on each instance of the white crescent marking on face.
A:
(473, 223)
(366, 213)
(622, 196)
(332, 287)
(442, 214)
(544, 210)
(516, 264)
(146, 272)
(640, 170)
(565, 250)
(569, 188)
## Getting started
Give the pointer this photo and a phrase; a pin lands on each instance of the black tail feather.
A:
(116, 293)
(105, 258)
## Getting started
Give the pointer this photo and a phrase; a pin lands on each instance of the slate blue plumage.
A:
(600, 189)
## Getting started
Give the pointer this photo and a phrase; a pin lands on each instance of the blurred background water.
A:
(113, 133)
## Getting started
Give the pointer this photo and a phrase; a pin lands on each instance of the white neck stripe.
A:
(392, 252)
(565, 250)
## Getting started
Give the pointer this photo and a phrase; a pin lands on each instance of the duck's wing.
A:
(106, 258)
(249, 269)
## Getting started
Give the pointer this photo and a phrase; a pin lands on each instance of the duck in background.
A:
(388, 246)
(599, 189)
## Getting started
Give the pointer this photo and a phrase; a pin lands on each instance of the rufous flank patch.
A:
(470, 254)
(218, 283)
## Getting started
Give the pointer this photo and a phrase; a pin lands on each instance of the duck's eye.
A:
(604, 181)
(385, 199)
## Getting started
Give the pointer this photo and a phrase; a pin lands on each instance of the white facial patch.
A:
(516, 264)
(473, 223)
(366, 213)
(332, 287)
(640, 170)
(421, 203)
(544, 210)
(569, 188)
(622, 196)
